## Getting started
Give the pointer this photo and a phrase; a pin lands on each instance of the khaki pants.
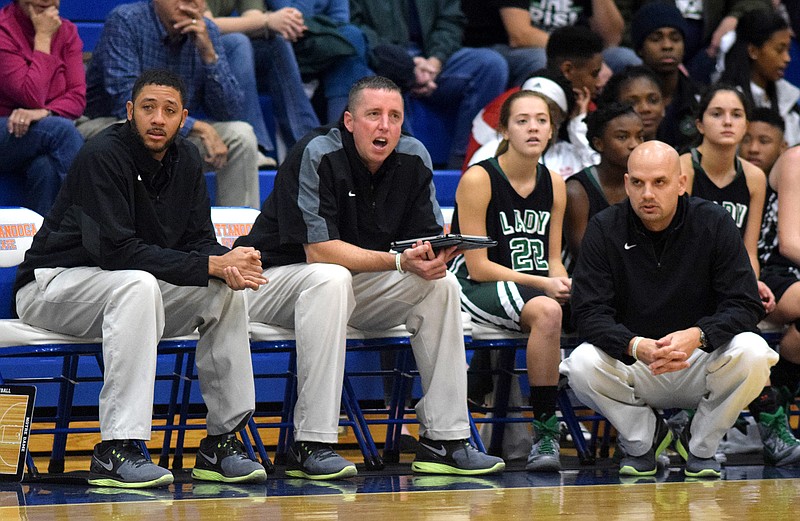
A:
(719, 385)
(320, 300)
(132, 310)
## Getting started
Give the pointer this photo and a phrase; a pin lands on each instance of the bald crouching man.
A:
(665, 297)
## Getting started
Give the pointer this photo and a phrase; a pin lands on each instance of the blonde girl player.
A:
(521, 283)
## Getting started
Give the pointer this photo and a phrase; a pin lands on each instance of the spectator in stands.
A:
(715, 173)
(640, 87)
(521, 283)
(269, 51)
(561, 156)
(42, 89)
(662, 332)
(342, 196)
(321, 50)
(756, 64)
(574, 54)
(706, 23)
(520, 30)
(446, 75)
(614, 130)
(129, 254)
(173, 34)
(764, 140)
(658, 32)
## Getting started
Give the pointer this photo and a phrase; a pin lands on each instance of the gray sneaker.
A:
(544, 456)
(454, 457)
(223, 458)
(647, 463)
(780, 445)
(702, 467)
(122, 464)
(311, 460)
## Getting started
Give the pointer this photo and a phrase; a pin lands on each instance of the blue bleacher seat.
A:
(434, 127)
(793, 71)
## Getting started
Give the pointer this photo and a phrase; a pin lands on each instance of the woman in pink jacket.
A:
(42, 90)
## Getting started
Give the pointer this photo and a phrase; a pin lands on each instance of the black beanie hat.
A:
(655, 16)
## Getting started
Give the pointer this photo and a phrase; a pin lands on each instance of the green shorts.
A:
(493, 303)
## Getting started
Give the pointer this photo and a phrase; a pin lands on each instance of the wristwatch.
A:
(703, 340)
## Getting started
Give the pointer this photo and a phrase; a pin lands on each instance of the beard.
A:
(141, 133)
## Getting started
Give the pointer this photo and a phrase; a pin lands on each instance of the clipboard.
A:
(16, 415)
(464, 242)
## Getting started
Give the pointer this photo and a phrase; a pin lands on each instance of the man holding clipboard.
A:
(342, 196)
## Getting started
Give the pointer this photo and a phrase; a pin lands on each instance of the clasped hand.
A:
(669, 353)
(241, 268)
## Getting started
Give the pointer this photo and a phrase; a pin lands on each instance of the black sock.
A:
(543, 401)
(786, 374)
(767, 402)
(107, 444)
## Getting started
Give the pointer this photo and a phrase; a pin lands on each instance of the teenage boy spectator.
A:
(658, 32)
(574, 53)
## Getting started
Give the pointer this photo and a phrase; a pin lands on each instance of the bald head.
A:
(654, 183)
(654, 154)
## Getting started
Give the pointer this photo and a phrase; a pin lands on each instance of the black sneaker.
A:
(696, 467)
(312, 460)
(646, 464)
(223, 458)
(122, 464)
(454, 457)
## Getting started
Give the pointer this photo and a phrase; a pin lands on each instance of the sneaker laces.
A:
(547, 433)
(320, 451)
(232, 446)
(778, 424)
(129, 451)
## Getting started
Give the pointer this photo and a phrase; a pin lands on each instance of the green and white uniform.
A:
(521, 227)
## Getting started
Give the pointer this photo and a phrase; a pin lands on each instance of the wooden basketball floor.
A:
(745, 493)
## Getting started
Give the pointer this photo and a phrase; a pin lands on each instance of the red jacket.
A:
(35, 80)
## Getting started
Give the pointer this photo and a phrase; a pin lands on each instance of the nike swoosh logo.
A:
(211, 460)
(108, 466)
(351, 193)
(439, 452)
(629, 246)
